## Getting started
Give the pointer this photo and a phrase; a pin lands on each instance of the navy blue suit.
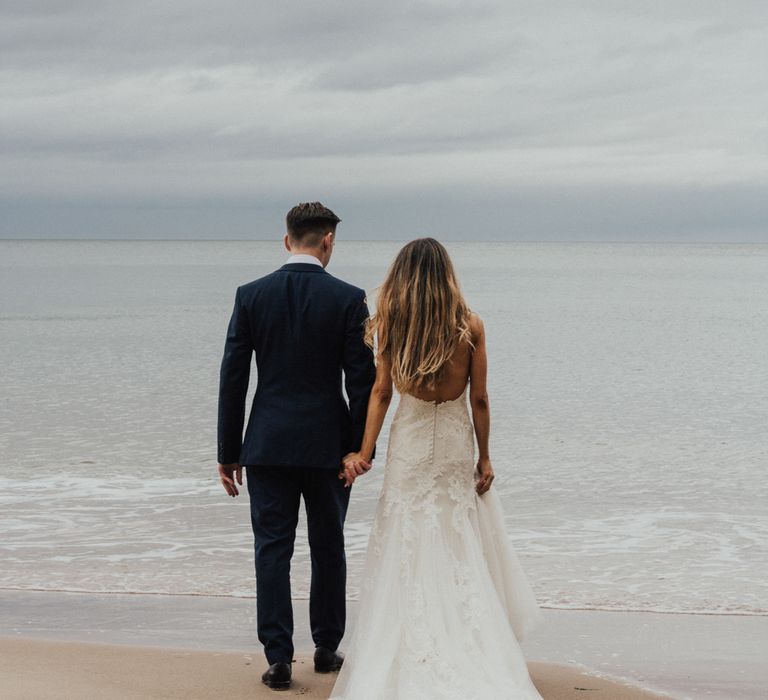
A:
(306, 330)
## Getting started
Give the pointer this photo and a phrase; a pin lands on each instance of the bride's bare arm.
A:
(478, 399)
(378, 403)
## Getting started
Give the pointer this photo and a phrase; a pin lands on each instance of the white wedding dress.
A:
(444, 601)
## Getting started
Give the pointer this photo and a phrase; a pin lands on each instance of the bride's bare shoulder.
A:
(476, 327)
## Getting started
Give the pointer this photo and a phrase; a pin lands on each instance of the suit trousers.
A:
(275, 495)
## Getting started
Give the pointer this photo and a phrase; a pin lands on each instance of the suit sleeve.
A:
(359, 369)
(233, 384)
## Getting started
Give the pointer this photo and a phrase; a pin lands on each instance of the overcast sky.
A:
(460, 119)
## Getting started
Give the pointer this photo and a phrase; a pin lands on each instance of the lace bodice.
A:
(430, 455)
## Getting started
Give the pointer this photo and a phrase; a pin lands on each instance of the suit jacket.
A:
(306, 328)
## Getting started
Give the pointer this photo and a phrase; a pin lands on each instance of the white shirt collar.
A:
(303, 258)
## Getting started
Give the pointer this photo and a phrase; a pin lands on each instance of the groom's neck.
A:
(314, 252)
(317, 252)
(322, 251)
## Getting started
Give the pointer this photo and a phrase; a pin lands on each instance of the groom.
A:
(306, 328)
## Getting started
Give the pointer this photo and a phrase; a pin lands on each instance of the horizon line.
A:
(403, 240)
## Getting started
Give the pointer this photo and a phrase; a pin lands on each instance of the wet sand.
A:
(34, 669)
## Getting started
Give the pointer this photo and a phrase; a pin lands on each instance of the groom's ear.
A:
(287, 242)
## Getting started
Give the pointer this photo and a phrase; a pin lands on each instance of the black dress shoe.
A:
(277, 676)
(327, 661)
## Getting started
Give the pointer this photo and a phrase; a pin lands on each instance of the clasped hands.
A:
(353, 465)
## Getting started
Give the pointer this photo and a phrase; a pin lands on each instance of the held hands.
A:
(353, 465)
(228, 473)
(485, 475)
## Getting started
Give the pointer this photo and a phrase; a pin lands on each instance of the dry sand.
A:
(33, 669)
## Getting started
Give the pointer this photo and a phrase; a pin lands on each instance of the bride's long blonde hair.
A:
(420, 317)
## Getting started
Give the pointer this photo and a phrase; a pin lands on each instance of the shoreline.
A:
(718, 657)
(354, 601)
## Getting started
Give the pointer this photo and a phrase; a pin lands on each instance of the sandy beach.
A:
(32, 669)
(62, 645)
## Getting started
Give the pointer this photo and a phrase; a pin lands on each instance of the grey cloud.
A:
(196, 102)
(129, 36)
(604, 213)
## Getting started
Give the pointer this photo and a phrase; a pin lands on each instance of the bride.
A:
(444, 601)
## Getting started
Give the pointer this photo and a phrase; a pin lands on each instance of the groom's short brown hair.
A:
(308, 222)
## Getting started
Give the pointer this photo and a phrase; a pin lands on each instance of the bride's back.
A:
(424, 328)
(455, 377)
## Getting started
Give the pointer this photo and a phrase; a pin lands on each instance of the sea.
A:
(628, 385)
